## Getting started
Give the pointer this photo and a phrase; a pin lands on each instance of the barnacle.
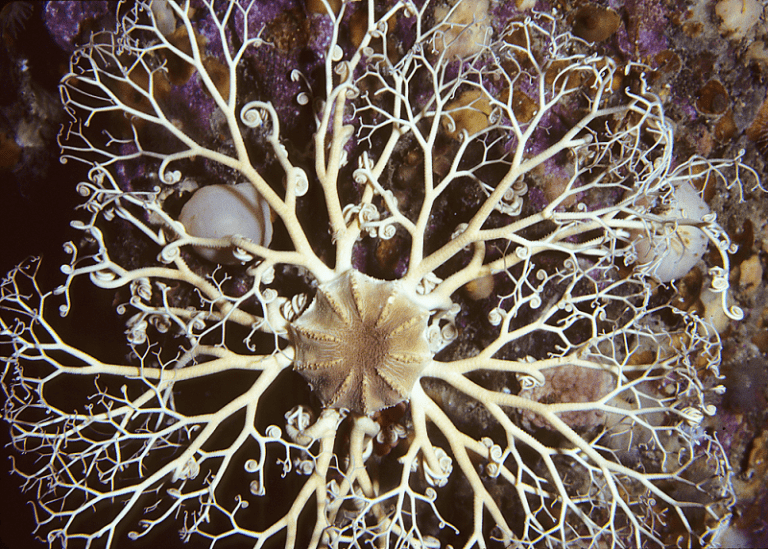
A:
(595, 23)
(712, 99)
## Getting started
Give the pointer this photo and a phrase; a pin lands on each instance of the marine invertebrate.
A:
(432, 437)
(595, 23)
(362, 343)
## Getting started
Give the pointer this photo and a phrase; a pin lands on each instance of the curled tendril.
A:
(495, 453)
(162, 323)
(387, 231)
(520, 187)
(253, 114)
(692, 416)
(602, 315)
(719, 279)
(352, 92)
(409, 10)
(252, 117)
(492, 469)
(342, 69)
(240, 254)
(97, 175)
(630, 257)
(450, 123)
(495, 116)
(427, 284)
(103, 276)
(368, 213)
(297, 420)
(138, 335)
(530, 381)
(735, 313)
(449, 332)
(360, 176)
(349, 211)
(440, 336)
(509, 195)
(189, 470)
(269, 295)
(70, 249)
(438, 478)
(304, 467)
(303, 98)
(434, 337)
(332, 489)
(496, 316)
(293, 308)
(251, 466)
(273, 431)
(197, 323)
(93, 207)
(570, 265)
(510, 208)
(169, 177)
(169, 254)
(84, 189)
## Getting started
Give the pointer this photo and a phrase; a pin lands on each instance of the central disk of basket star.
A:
(362, 343)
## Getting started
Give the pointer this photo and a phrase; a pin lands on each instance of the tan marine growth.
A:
(361, 343)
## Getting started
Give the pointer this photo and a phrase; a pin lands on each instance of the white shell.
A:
(218, 211)
(671, 256)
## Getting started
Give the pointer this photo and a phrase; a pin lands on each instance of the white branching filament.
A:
(307, 398)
